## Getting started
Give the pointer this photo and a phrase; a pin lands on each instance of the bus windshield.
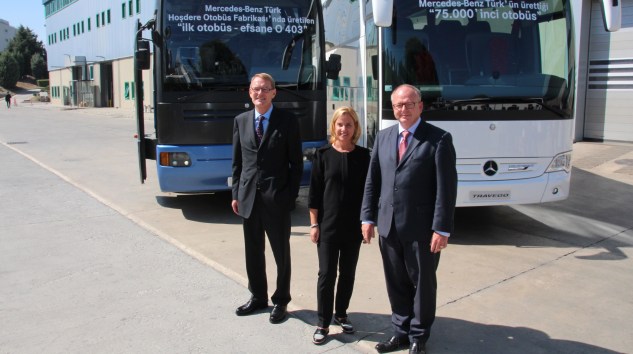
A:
(221, 44)
(487, 55)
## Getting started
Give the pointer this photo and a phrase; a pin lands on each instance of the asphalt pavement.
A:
(82, 268)
(77, 276)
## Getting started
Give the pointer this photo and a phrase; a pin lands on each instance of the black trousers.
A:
(411, 285)
(268, 220)
(341, 258)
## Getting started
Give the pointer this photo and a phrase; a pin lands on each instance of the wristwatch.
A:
(314, 225)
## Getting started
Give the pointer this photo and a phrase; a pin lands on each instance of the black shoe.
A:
(417, 347)
(393, 344)
(345, 324)
(278, 313)
(320, 335)
(250, 307)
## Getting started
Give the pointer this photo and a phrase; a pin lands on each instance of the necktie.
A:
(402, 147)
(260, 129)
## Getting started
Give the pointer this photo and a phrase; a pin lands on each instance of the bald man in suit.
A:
(267, 169)
(411, 198)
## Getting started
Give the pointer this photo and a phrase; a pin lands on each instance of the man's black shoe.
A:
(417, 347)
(393, 344)
(278, 313)
(250, 307)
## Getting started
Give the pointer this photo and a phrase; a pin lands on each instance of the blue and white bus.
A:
(499, 75)
(204, 54)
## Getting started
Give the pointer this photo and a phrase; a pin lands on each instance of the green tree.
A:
(23, 46)
(38, 66)
(9, 74)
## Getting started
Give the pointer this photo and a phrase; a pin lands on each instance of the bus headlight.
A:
(175, 159)
(561, 162)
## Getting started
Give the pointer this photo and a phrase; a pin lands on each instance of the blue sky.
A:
(28, 13)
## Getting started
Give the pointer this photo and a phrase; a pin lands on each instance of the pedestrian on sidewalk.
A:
(338, 177)
(267, 169)
(7, 98)
(410, 196)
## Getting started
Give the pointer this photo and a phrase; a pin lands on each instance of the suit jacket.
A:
(274, 168)
(416, 195)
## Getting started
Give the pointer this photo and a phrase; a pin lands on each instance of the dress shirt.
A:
(267, 115)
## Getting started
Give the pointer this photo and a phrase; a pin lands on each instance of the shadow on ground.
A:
(596, 213)
(453, 335)
(215, 208)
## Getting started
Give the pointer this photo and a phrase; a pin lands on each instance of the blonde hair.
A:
(338, 114)
(264, 76)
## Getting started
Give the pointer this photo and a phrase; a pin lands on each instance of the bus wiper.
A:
(503, 100)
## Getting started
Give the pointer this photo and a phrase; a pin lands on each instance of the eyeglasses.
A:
(261, 89)
(408, 105)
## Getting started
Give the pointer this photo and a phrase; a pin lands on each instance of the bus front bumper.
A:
(549, 187)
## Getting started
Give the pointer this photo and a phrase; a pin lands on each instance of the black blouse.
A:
(336, 190)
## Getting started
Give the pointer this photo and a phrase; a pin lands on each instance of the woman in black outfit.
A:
(336, 192)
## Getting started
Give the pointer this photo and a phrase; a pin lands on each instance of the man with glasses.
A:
(267, 169)
(410, 194)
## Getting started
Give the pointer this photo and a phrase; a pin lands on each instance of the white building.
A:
(90, 51)
(605, 74)
(6, 34)
(90, 48)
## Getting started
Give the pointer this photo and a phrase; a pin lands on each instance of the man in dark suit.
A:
(411, 198)
(267, 169)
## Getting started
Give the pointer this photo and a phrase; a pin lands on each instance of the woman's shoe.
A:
(345, 324)
(320, 335)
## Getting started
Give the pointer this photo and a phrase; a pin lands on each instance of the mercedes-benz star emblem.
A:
(490, 168)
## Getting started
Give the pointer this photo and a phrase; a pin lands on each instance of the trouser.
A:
(333, 255)
(411, 285)
(267, 220)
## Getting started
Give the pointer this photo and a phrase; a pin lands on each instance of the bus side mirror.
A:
(333, 66)
(383, 12)
(612, 14)
(142, 55)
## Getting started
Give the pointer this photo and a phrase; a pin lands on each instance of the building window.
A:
(98, 21)
(129, 8)
(92, 72)
(335, 89)
(89, 23)
(123, 10)
(138, 6)
(103, 18)
(108, 16)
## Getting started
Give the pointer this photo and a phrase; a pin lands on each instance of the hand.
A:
(438, 242)
(234, 207)
(314, 234)
(368, 232)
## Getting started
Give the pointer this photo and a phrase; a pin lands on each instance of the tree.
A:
(23, 46)
(9, 73)
(38, 66)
